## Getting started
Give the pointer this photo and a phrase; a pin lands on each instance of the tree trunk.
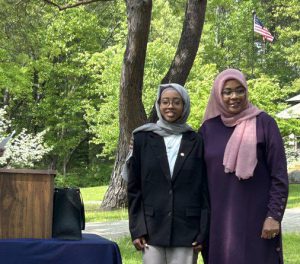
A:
(188, 44)
(131, 109)
(187, 47)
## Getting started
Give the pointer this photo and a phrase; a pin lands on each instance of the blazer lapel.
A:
(186, 146)
(159, 149)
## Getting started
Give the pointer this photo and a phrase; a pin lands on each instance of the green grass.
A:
(291, 244)
(129, 254)
(294, 196)
(92, 197)
(93, 193)
(99, 215)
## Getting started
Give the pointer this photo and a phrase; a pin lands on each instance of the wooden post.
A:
(26, 203)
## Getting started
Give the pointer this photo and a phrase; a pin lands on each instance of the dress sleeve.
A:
(137, 225)
(277, 165)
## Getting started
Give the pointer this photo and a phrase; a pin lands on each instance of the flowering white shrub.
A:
(24, 149)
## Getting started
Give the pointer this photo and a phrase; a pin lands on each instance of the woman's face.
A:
(234, 97)
(170, 105)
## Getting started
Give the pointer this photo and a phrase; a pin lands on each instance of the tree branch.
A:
(187, 46)
(188, 43)
(79, 3)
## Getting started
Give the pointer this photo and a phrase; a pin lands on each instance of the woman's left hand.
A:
(270, 229)
(197, 247)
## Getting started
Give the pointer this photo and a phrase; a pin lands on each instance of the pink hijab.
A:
(240, 152)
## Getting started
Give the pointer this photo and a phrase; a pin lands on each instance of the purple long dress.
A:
(239, 207)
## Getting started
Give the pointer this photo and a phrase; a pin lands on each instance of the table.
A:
(92, 249)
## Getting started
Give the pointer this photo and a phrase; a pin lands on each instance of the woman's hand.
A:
(270, 229)
(140, 243)
(197, 247)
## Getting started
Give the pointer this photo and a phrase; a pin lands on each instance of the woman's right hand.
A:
(271, 228)
(140, 243)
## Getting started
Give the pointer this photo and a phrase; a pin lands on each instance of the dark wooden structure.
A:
(26, 203)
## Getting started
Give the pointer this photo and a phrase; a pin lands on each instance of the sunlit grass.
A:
(92, 197)
(294, 196)
(291, 242)
(93, 193)
(99, 215)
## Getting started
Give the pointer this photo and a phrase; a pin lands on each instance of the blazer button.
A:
(170, 214)
(170, 192)
(278, 249)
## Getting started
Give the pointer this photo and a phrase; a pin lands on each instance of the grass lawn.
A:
(92, 197)
(93, 193)
(291, 244)
(294, 196)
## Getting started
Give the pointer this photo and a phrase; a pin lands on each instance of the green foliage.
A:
(102, 117)
(166, 24)
(271, 91)
(85, 177)
(60, 70)
(199, 86)
(157, 65)
(46, 78)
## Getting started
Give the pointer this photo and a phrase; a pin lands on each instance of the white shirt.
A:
(172, 146)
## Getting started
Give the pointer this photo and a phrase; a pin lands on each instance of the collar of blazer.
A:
(159, 148)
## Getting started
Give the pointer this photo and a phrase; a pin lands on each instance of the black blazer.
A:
(167, 211)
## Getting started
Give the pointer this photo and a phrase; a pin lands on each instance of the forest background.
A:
(60, 71)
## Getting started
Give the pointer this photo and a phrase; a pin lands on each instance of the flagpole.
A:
(253, 44)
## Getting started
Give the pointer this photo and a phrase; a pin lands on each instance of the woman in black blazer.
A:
(167, 186)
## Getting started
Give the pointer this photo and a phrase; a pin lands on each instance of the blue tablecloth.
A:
(92, 249)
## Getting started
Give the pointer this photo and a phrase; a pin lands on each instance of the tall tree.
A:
(133, 114)
(131, 109)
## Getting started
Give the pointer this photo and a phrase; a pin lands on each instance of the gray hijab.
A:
(162, 127)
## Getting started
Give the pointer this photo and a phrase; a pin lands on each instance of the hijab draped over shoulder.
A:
(240, 153)
(162, 127)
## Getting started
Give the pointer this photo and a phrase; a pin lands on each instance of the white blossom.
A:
(24, 149)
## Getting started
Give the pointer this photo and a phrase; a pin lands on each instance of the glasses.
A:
(240, 91)
(176, 102)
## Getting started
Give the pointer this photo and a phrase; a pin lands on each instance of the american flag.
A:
(260, 29)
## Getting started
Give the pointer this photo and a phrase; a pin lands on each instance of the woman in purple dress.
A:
(247, 176)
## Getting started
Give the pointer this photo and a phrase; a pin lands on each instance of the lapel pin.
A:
(182, 154)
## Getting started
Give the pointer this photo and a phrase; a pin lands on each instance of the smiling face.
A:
(234, 97)
(170, 105)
